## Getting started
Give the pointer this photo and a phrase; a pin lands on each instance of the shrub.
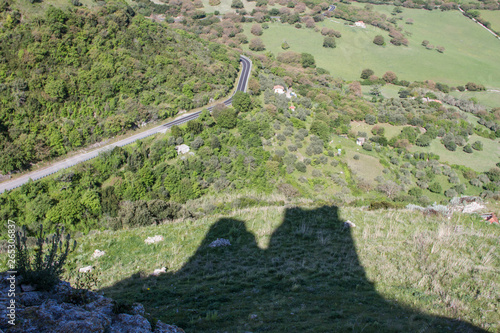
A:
(356, 157)
(478, 145)
(317, 173)
(292, 148)
(329, 42)
(450, 193)
(44, 268)
(307, 60)
(366, 73)
(379, 40)
(237, 4)
(468, 149)
(435, 188)
(450, 145)
(423, 140)
(300, 166)
(197, 143)
(256, 44)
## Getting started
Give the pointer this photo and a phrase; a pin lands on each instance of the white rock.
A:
(473, 207)
(152, 240)
(86, 269)
(159, 271)
(98, 254)
(220, 242)
(349, 224)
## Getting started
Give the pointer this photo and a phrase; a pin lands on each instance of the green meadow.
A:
(487, 98)
(493, 16)
(471, 53)
(479, 160)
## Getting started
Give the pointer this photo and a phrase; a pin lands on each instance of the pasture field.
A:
(225, 6)
(388, 91)
(390, 130)
(460, 63)
(489, 99)
(493, 16)
(479, 160)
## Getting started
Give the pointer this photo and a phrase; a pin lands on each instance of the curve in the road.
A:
(69, 162)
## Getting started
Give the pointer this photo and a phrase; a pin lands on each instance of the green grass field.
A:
(487, 98)
(355, 51)
(493, 16)
(298, 270)
(225, 6)
(479, 160)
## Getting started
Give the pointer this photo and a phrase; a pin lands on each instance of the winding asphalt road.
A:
(71, 161)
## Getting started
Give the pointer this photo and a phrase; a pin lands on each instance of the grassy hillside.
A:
(69, 79)
(298, 269)
(492, 16)
(355, 50)
(478, 160)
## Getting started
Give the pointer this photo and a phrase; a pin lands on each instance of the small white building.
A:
(279, 89)
(182, 149)
(360, 24)
(360, 141)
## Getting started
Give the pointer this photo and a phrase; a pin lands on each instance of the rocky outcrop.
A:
(65, 309)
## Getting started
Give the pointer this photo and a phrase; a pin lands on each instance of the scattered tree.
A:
(379, 40)
(366, 73)
(307, 60)
(256, 44)
(237, 4)
(256, 30)
(390, 77)
(329, 42)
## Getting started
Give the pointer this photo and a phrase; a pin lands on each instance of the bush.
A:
(317, 173)
(423, 140)
(44, 268)
(256, 44)
(468, 149)
(307, 60)
(237, 4)
(356, 157)
(478, 145)
(450, 145)
(450, 193)
(300, 166)
(367, 146)
(366, 73)
(379, 40)
(435, 188)
(329, 42)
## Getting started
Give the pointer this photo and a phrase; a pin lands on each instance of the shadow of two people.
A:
(309, 279)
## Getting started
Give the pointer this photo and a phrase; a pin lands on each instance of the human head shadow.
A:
(308, 279)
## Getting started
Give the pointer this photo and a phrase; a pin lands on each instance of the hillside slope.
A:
(299, 269)
(71, 79)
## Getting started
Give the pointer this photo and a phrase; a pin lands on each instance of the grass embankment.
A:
(493, 17)
(294, 269)
(461, 62)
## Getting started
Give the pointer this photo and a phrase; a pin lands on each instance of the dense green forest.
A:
(69, 79)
